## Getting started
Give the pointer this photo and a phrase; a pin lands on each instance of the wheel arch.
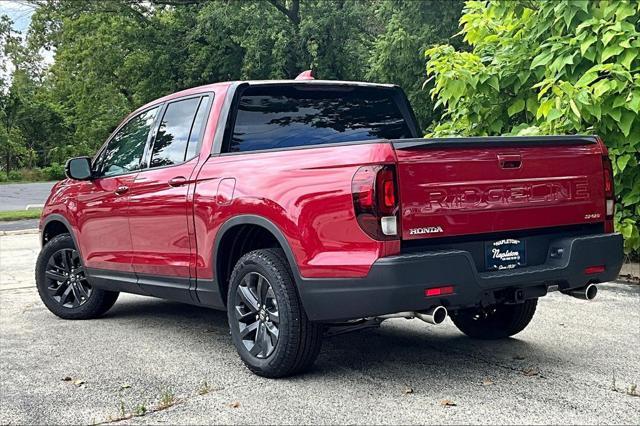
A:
(229, 246)
(54, 225)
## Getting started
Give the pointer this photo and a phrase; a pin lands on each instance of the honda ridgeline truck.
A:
(302, 206)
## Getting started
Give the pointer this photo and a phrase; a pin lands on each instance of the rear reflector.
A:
(438, 291)
(594, 269)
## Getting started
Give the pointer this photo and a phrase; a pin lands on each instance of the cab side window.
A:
(125, 149)
(179, 130)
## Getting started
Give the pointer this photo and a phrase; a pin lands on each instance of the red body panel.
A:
(100, 219)
(306, 193)
(469, 191)
(158, 217)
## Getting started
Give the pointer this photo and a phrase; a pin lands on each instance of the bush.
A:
(32, 175)
(15, 176)
(542, 67)
(54, 172)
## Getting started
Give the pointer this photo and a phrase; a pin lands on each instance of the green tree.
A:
(409, 28)
(12, 144)
(113, 56)
(539, 67)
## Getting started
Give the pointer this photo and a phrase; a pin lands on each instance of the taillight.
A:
(375, 200)
(609, 194)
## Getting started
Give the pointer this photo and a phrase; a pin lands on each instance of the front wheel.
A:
(268, 324)
(62, 282)
(497, 322)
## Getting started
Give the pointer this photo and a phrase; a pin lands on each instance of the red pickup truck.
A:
(305, 206)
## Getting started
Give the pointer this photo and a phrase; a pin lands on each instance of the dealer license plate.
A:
(505, 254)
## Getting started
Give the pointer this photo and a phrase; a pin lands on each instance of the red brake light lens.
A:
(608, 177)
(608, 185)
(386, 190)
(389, 194)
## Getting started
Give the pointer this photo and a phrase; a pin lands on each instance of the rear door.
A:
(160, 206)
(480, 185)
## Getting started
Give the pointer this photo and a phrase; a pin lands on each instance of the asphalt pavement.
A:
(19, 225)
(170, 363)
(17, 196)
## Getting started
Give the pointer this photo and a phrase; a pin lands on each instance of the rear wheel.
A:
(62, 282)
(268, 325)
(497, 322)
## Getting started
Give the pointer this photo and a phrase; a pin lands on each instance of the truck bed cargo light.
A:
(594, 269)
(438, 291)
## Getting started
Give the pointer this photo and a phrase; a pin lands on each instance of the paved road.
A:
(572, 365)
(16, 196)
(19, 225)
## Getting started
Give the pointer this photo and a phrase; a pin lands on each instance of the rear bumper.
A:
(397, 283)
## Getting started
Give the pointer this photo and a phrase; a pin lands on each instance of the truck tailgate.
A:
(469, 186)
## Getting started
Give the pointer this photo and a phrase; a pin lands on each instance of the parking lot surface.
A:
(577, 362)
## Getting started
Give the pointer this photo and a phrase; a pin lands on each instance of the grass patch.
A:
(20, 215)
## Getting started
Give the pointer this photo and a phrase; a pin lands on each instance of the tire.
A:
(70, 297)
(498, 322)
(262, 297)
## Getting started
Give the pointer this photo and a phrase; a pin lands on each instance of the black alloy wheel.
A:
(269, 326)
(256, 311)
(66, 280)
(64, 284)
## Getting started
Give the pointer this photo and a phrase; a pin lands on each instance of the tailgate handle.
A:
(511, 161)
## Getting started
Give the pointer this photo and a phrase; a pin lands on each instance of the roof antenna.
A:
(305, 75)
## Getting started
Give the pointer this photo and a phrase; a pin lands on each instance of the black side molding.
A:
(493, 141)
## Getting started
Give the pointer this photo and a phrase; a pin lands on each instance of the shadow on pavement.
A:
(419, 351)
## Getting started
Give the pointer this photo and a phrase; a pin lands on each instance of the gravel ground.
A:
(576, 363)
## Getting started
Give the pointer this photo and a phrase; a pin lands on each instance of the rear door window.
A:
(196, 130)
(270, 117)
(170, 144)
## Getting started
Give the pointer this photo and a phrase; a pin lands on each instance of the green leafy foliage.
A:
(409, 29)
(540, 67)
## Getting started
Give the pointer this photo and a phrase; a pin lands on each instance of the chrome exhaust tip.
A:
(587, 292)
(433, 316)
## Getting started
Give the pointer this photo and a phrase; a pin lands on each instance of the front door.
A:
(159, 207)
(104, 235)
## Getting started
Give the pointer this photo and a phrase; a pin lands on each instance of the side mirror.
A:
(78, 168)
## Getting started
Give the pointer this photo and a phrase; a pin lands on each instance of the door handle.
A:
(510, 161)
(177, 181)
(122, 189)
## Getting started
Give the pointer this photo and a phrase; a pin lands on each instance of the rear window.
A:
(271, 117)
